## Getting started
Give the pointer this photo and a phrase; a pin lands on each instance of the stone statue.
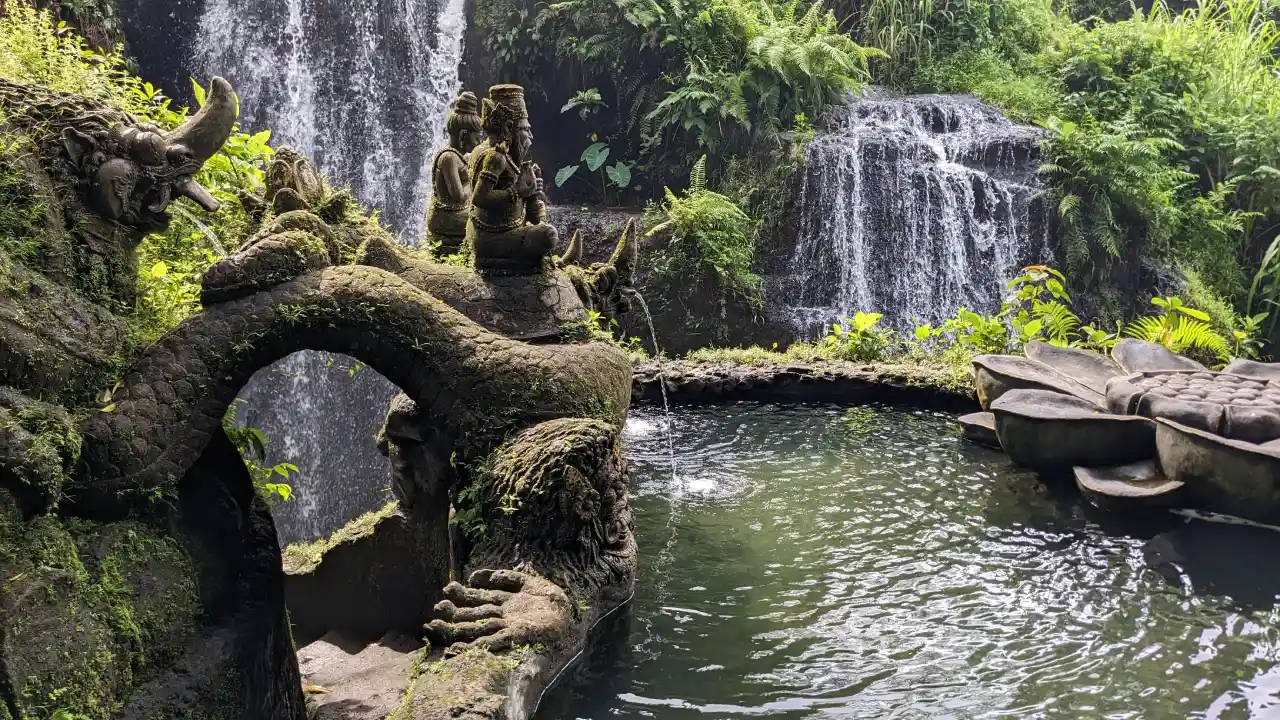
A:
(507, 232)
(450, 179)
(115, 175)
(113, 455)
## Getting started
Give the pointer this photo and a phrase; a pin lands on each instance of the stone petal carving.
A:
(1088, 368)
(1047, 430)
(1229, 476)
(1141, 356)
(1229, 405)
(1139, 483)
(1254, 369)
(995, 375)
(980, 427)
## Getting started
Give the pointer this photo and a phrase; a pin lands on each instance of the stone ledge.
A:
(696, 382)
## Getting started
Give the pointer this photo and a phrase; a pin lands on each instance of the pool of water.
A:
(866, 563)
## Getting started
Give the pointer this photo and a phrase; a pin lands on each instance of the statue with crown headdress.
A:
(507, 233)
(450, 205)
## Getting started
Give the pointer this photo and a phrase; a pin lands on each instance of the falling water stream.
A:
(667, 555)
(912, 207)
(363, 87)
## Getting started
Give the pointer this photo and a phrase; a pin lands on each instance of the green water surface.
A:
(810, 562)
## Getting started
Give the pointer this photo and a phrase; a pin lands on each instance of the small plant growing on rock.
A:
(859, 339)
(252, 444)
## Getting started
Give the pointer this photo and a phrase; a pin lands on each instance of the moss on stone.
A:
(41, 445)
(95, 610)
(21, 205)
(301, 558)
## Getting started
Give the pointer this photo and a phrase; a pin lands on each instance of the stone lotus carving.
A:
(1144, 425)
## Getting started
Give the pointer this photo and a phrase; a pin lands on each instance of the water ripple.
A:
(850, 564)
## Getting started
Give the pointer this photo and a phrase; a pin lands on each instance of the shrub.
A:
(708, 232)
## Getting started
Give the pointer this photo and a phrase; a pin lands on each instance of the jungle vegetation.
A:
(1162, 122)
(37, 47)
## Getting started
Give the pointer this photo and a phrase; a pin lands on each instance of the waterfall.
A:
(912, 207)
(363, 87)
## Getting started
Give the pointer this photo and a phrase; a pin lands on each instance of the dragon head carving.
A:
(130, 173)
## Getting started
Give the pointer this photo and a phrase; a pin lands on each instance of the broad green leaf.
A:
(619, 175)
(564, 173)
(160, 269)
(198, 91)
(1197, 314)
(595, 155)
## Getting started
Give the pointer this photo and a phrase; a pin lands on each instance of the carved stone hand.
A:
(527, 185)
(498, 610)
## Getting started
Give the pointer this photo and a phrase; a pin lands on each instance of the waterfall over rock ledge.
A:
(363, 87)
(912, 207)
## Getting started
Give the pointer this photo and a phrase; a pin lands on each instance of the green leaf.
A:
(198, 92)
(1197, 314)
(595, 155)
(159, 270)
(564, 173)
(619, 175)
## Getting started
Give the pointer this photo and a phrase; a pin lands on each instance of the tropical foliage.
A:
(705, 231)
(1038, 308)
(1163, 131)
(34, 48)
(683, 77)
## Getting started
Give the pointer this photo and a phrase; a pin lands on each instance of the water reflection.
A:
(823, 563)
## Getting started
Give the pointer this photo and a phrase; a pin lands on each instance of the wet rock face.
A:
(912, 206)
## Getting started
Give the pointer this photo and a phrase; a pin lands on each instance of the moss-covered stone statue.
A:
(143, 578)
(508, 233)
(451, 182)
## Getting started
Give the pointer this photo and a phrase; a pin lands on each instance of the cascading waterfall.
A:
(363, 87)
(912, 207)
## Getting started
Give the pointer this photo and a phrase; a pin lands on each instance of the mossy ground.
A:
(947, 371)
(302, 558)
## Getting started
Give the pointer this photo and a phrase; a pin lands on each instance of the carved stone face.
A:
(522, 141)
(468, 140)
(133, 173)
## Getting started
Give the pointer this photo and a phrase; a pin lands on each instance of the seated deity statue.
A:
(451, 179)
(507, 233)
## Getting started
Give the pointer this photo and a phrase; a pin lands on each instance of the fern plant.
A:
(1180, 328)
(708, 232)
(1114, 186)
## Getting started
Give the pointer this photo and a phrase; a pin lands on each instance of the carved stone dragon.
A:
(495, 400)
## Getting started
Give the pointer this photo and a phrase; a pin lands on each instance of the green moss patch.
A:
(94, 611)
(302, 558)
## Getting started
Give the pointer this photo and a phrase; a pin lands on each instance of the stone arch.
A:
(476, 386)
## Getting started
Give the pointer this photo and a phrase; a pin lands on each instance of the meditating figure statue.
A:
(450, 179)
(507, 233)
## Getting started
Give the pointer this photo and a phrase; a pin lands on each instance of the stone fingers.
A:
(504, 639)
(501, 580)
(463, 596)
(447, 633)
(452, 613)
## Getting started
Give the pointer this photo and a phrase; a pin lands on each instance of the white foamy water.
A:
(363, 87)
(912, 207)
